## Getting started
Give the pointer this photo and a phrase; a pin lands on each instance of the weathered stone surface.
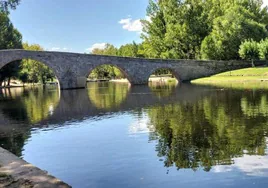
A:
(15, 172)
(72, 69)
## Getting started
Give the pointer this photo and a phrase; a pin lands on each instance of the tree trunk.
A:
(8, 81)
(252, 63)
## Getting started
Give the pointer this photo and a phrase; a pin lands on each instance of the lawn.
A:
(242, 75)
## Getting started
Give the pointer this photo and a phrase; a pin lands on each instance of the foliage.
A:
(109, 49)
(249, 50)
(10, 38)
(5, 5)
(129, 50)
(263, 49)
(229, 30)
(193, 29)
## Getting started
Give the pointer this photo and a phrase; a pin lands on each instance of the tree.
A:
(129, 50)
(229, 30)
(10, 38)
(5, 5)
(208, 29)
(263, 49)
(109, 49)
(249, 50)
(154, 31)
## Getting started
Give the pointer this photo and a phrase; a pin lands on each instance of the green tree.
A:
(229, 30)
(109, 49)
(154, 30)
(249, 50)
(10, 38)
(263, 49)
(129, 50)
(208, 29)
(5, 5)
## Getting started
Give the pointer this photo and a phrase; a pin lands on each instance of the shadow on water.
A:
(194, 126)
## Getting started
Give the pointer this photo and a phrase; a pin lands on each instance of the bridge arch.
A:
(165, 68)
(19, 60)
(118, 67)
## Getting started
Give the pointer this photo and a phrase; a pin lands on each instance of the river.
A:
(162, 135)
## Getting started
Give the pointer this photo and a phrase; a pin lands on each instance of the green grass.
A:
(249, 78)
(242, 75)
(259, 71)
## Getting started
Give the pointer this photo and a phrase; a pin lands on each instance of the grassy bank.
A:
(238, 76)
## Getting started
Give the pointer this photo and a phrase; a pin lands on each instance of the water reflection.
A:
(29, 105)
(107, 95)
(211, 131)
(163, 89)
(201, 128)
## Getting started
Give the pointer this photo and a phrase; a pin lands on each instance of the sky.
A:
(80, 25)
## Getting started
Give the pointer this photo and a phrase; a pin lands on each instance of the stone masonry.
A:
(72, 69)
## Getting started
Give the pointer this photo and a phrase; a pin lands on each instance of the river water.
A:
(162, 135)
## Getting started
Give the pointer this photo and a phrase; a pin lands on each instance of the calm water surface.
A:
(114, 135)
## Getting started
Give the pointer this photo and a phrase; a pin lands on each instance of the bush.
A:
(263, 49)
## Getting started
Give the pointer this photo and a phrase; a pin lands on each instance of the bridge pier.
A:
(72, 83)
(139, 82)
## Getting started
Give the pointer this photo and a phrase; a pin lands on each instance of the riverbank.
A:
(15, 172)
(27, 85)
(238, 76)
(165, 78)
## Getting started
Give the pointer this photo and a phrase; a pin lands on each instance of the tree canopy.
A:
(10, 38)
(195, 29)
(5, 5)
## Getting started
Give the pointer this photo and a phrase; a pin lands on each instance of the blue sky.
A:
(79, 25)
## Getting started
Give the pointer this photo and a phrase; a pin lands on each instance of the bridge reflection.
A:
(192, 126)
(39, 107)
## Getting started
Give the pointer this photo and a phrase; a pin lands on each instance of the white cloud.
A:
(131, 25)
(96, 46)
(141, 126)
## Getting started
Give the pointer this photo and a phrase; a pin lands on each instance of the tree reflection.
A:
(14, 141)
(163, 89)
(29, 105)
(107, 95)
(211, 131)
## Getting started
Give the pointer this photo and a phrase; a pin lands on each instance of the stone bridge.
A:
(72, 69)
